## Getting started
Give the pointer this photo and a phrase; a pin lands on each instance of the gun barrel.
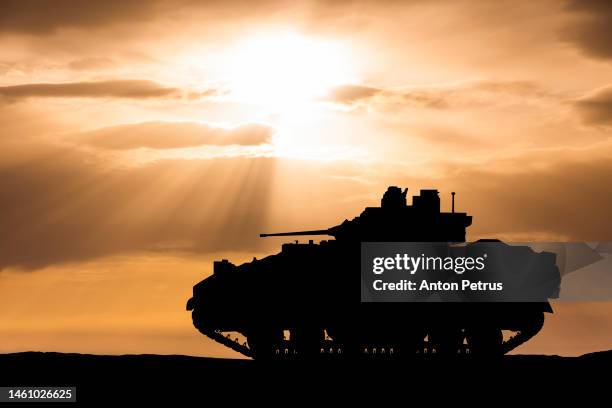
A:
(287, 234)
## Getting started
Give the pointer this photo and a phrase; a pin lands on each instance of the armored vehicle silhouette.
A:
(304, 301)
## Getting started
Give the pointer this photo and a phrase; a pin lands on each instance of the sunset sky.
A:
(140, 141)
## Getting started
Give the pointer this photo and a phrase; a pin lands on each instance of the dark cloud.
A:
(42, 17)
(168, 135)
(61, 205)
(135, 89)
(569, 199)
(549, 195)
(591, 28)
(596, 108)
(45, 16)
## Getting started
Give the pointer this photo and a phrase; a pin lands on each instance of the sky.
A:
(140, 142)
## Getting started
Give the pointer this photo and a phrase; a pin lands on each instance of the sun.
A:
(283, 72)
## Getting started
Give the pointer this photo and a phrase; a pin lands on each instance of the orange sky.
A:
(140, 142)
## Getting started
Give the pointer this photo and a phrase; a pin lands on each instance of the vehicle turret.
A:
(395, 220)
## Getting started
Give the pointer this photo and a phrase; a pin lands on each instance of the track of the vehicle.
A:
(285, 349)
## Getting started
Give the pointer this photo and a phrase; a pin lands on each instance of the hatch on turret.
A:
(394, 197)
(428, 201)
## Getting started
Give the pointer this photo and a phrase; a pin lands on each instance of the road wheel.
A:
(264, 343)
(485, 341)
(446, 341)
(307, 340)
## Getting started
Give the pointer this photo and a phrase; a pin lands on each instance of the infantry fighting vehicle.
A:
(304, 301)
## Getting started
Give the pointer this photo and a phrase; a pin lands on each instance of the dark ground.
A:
(157, 378)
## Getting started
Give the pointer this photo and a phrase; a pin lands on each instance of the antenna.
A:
(453, 202)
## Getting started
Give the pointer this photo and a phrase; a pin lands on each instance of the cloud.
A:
(132, 89)
(168, 135)
(59, 204)
(591, 28)
(568, 199)
(469, 94)
(348, 94)
(91, 63)
(45, 16)
(558, 194)
(356, 95)
(596, 107)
